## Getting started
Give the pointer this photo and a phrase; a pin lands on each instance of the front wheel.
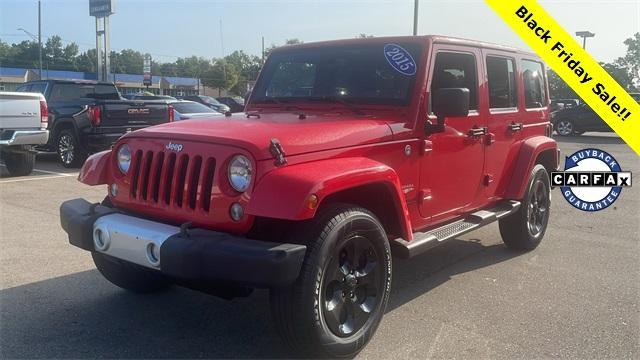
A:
(336, 304)
(525, 229)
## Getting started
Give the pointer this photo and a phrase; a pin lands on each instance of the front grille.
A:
(171, 179)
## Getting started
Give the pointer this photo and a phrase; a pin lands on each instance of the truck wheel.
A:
(525, 229)
(337, 302)
(20, 164)
(565, 127)
(128, 276)
(68, 149)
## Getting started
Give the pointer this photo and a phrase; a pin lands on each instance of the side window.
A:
(535, 91)
(502, 82)
(23, 88)
(39, 88)
(456, 70)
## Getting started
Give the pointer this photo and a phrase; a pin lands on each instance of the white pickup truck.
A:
(23, 125)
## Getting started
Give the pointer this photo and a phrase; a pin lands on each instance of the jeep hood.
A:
(297, 136)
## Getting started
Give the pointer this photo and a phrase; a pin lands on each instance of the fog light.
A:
(101, 239)
(153, 254)
(236, 211)
(114, 189)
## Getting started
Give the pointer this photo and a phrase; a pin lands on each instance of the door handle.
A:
(514, 126)
(477, 131)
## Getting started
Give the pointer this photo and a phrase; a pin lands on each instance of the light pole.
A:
(584, 35)
(415, 18)
(39, 40)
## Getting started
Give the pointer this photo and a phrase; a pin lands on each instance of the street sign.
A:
(100, 8)
(146, 70)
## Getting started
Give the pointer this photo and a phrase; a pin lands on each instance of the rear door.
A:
(504, 119)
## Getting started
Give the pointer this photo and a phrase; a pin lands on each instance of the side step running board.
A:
(423, 241)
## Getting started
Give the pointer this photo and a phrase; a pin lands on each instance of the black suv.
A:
(89, 116)
(580, 119)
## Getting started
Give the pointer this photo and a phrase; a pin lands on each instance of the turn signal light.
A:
(172, 114)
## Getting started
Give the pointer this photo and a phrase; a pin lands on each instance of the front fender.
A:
(283, 193)
(529, 151)
(95, 169)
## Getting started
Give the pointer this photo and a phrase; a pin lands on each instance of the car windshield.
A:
(191, 108)
(363, 74)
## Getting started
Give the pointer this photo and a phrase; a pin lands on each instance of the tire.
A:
(346, 271)
(68, 149)
(20, 164)
(129, 276)
(565, 127)
(525, 229)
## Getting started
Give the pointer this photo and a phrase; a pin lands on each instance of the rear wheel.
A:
(129, 276)
(335, 306)
(20, 162)
(68, 149)
(565, 127)
(525, 229)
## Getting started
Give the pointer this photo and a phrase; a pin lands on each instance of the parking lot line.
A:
(34, 178)
(48, 172)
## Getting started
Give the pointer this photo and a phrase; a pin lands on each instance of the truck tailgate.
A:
(133, 113)
(19, 110)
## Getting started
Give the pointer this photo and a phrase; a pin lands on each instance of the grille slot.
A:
(169, 179)
(208, 183)
(181, 176)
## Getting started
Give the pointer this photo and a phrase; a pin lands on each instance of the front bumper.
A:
(194, 256)
(24, 137)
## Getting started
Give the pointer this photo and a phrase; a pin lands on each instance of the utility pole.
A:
(40, 39)
(415, 17)
(262, 51)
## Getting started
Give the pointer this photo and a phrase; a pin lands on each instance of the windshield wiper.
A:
(339, 100)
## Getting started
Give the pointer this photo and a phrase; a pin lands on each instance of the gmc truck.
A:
(350, 152)
(88, 116)
(23, 125)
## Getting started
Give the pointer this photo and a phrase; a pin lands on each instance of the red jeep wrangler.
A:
(349, 152)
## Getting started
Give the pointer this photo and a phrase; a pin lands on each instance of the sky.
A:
(168, 29)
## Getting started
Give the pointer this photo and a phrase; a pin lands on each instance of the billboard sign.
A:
(146, 71)
(100, 8)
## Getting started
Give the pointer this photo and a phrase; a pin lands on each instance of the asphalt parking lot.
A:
(576, 296)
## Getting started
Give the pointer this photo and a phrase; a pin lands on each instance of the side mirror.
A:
(448, 102)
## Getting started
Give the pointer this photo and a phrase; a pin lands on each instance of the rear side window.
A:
(456, 70)
(502, 82)
(535, 91)
(23, 88)
(39, 88)
(70, 92)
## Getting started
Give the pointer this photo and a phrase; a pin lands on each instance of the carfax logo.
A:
(592, 179)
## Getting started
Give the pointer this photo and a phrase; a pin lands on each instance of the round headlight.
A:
(240, 173)
(124, 158)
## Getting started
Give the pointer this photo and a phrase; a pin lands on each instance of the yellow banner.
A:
(576, 67)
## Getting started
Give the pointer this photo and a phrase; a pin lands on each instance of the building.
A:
(11, 78)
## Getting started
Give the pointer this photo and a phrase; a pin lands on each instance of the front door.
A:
(452, 168)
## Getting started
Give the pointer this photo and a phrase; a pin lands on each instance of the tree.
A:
(632, 59)
(248, 67)
(221, 75)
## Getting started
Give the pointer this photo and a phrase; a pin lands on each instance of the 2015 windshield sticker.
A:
(400, 59)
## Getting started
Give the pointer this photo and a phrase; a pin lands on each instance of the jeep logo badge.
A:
(173, 147)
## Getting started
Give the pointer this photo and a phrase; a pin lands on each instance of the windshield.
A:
(363, 73)
(191, 108)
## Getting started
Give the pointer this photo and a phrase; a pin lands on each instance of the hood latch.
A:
(276, 150)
